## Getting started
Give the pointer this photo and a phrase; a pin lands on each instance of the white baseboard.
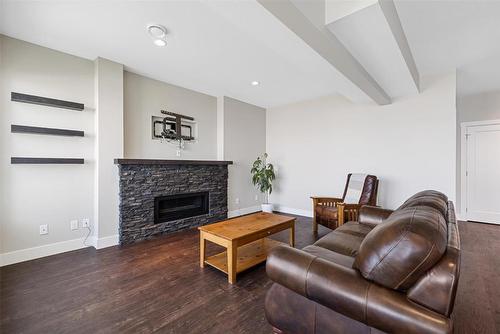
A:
(293, 211)
(277, 207)
(112, 240)
(243, 211)
(56, 248)
(40, 251)
(461, 216)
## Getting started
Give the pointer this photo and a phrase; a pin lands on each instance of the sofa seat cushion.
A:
(346, 239)
(328, 255)
(396, 253)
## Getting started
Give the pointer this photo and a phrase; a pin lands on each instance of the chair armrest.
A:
(373, 215)
(347, 212)
(322, 199)
(350, 206)
(345, 291)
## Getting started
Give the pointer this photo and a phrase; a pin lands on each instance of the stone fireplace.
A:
(163, 196)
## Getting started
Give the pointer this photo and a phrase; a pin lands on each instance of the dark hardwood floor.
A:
(157, 286)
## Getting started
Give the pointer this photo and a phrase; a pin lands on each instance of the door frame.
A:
(463, 161)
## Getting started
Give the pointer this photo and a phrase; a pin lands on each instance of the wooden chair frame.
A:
(345, 212)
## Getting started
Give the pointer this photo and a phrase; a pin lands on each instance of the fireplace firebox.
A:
(179, 206)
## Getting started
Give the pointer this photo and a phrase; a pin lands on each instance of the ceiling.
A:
(462, 35)
(217, 47)
(220, 47)
(368, 37)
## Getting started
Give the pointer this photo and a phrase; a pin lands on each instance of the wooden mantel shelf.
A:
(170, 162)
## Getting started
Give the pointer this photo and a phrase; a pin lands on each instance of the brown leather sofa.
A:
(392, 271)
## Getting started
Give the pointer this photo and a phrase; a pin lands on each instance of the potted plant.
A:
(263, 177)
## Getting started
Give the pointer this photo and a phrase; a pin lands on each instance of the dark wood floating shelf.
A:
(45, 131)
(46, 161)
(170, 162)
(45, 101)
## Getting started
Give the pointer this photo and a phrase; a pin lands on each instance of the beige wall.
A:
(244, 141)
(409, 145)
(108, 146)
(472, 108)
(144, 97)
(117, 122)
(478, 107)
(32, 195)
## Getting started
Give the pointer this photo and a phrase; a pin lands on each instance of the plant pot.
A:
(267, 207)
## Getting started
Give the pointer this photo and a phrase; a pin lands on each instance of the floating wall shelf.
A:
(45, 161)
(45, 131)
(45, 101)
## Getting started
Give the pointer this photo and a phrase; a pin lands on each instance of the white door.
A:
(483, 173)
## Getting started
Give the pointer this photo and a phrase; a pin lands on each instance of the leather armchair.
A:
(332, 212)
(389, 272)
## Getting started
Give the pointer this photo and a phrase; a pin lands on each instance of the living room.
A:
(249, 166)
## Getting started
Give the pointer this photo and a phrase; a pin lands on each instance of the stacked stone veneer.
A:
(140, 184)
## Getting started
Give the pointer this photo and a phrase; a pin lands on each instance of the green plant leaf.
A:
(263, 174)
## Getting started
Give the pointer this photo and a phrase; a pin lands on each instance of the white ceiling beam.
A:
(392, 17)
(320, 39)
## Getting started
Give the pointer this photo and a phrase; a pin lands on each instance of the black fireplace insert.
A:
(179, 206)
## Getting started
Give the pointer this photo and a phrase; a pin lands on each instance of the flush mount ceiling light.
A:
(255, 83)
(158, 33)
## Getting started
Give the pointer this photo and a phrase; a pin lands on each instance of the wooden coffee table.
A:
(245, 241)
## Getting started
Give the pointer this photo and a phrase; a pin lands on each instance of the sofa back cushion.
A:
(432, 198)
(399, 251)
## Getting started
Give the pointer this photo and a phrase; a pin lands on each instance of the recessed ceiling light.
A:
(255, 83)
(158, 33)
(159, 42)
(157, 30)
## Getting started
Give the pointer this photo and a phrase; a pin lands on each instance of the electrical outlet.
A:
(256, 198)
(85, 223)
(73, 224)
(237, 201)
(44, 229)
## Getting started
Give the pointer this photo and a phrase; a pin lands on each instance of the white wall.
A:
(410, 145)
(32, 195)
(244, 136)
(472, 108)
(144, 97)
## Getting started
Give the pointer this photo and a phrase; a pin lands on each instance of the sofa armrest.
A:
(373, 215)
(289, 267)
(345, 291)
(339, 288)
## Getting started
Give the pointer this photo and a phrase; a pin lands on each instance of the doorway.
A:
(481, 171)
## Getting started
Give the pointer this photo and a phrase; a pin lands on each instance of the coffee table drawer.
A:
(263, 234)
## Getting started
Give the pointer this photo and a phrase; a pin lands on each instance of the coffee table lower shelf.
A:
(248, 255)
